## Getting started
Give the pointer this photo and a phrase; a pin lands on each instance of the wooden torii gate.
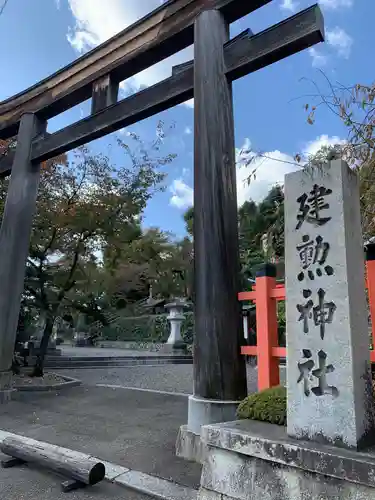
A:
(219, 370)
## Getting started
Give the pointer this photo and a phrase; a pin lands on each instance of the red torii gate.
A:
(265, 294)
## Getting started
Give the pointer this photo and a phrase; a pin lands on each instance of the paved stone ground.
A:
(134, 429)
(30, 483)
(170, 378)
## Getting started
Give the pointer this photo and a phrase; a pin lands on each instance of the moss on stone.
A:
(268, 405)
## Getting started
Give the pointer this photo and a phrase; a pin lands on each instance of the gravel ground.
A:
(171, 378)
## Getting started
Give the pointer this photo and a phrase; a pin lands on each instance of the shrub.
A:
(147, 328)
(187, 328)
(268, 405)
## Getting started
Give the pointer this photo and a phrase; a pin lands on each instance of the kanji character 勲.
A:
(313, 252)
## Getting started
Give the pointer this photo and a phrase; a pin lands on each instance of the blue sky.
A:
(40, 36)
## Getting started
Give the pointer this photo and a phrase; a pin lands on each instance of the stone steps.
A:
(92, 362)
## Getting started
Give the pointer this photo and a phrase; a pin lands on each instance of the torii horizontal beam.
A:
(244, 54)
(165, 31)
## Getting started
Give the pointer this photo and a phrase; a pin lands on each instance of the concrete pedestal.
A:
(258, 461)
(209, 411)
(202, 412)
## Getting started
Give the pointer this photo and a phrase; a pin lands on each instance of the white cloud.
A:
(313, 147)
(336, 4)
(289, 5)
(182, 194)
(97, 21)
(270, 168)
(340, 41)
(318, 59)
(188, 131)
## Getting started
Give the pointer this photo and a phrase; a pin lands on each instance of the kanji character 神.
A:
(321, 314)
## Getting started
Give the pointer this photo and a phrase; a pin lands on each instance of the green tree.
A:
(365, 173)
(255, 220)
(354, 106)
(188, 218)
(84, 207)
(153, 259)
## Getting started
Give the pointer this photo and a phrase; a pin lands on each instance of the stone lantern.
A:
(175, 343)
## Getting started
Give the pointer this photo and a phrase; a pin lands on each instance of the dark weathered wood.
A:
(250, 53)
(148, 102)
(104, 93)
(57, 459)
(6, 163)
(179, 68)
(15, 234)
(219, 368)
(271, 45)
(163, 32)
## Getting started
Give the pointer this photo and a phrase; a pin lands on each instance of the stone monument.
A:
(328, 365)
(320, 455)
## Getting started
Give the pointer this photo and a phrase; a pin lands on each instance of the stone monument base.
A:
(189, 445)
(254, 460)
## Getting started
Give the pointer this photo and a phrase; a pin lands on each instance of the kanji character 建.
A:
(311, 205)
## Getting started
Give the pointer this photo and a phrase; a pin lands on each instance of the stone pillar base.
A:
(202, 412)
(209, 411)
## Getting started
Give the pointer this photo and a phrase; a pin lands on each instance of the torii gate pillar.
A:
(219, 368)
